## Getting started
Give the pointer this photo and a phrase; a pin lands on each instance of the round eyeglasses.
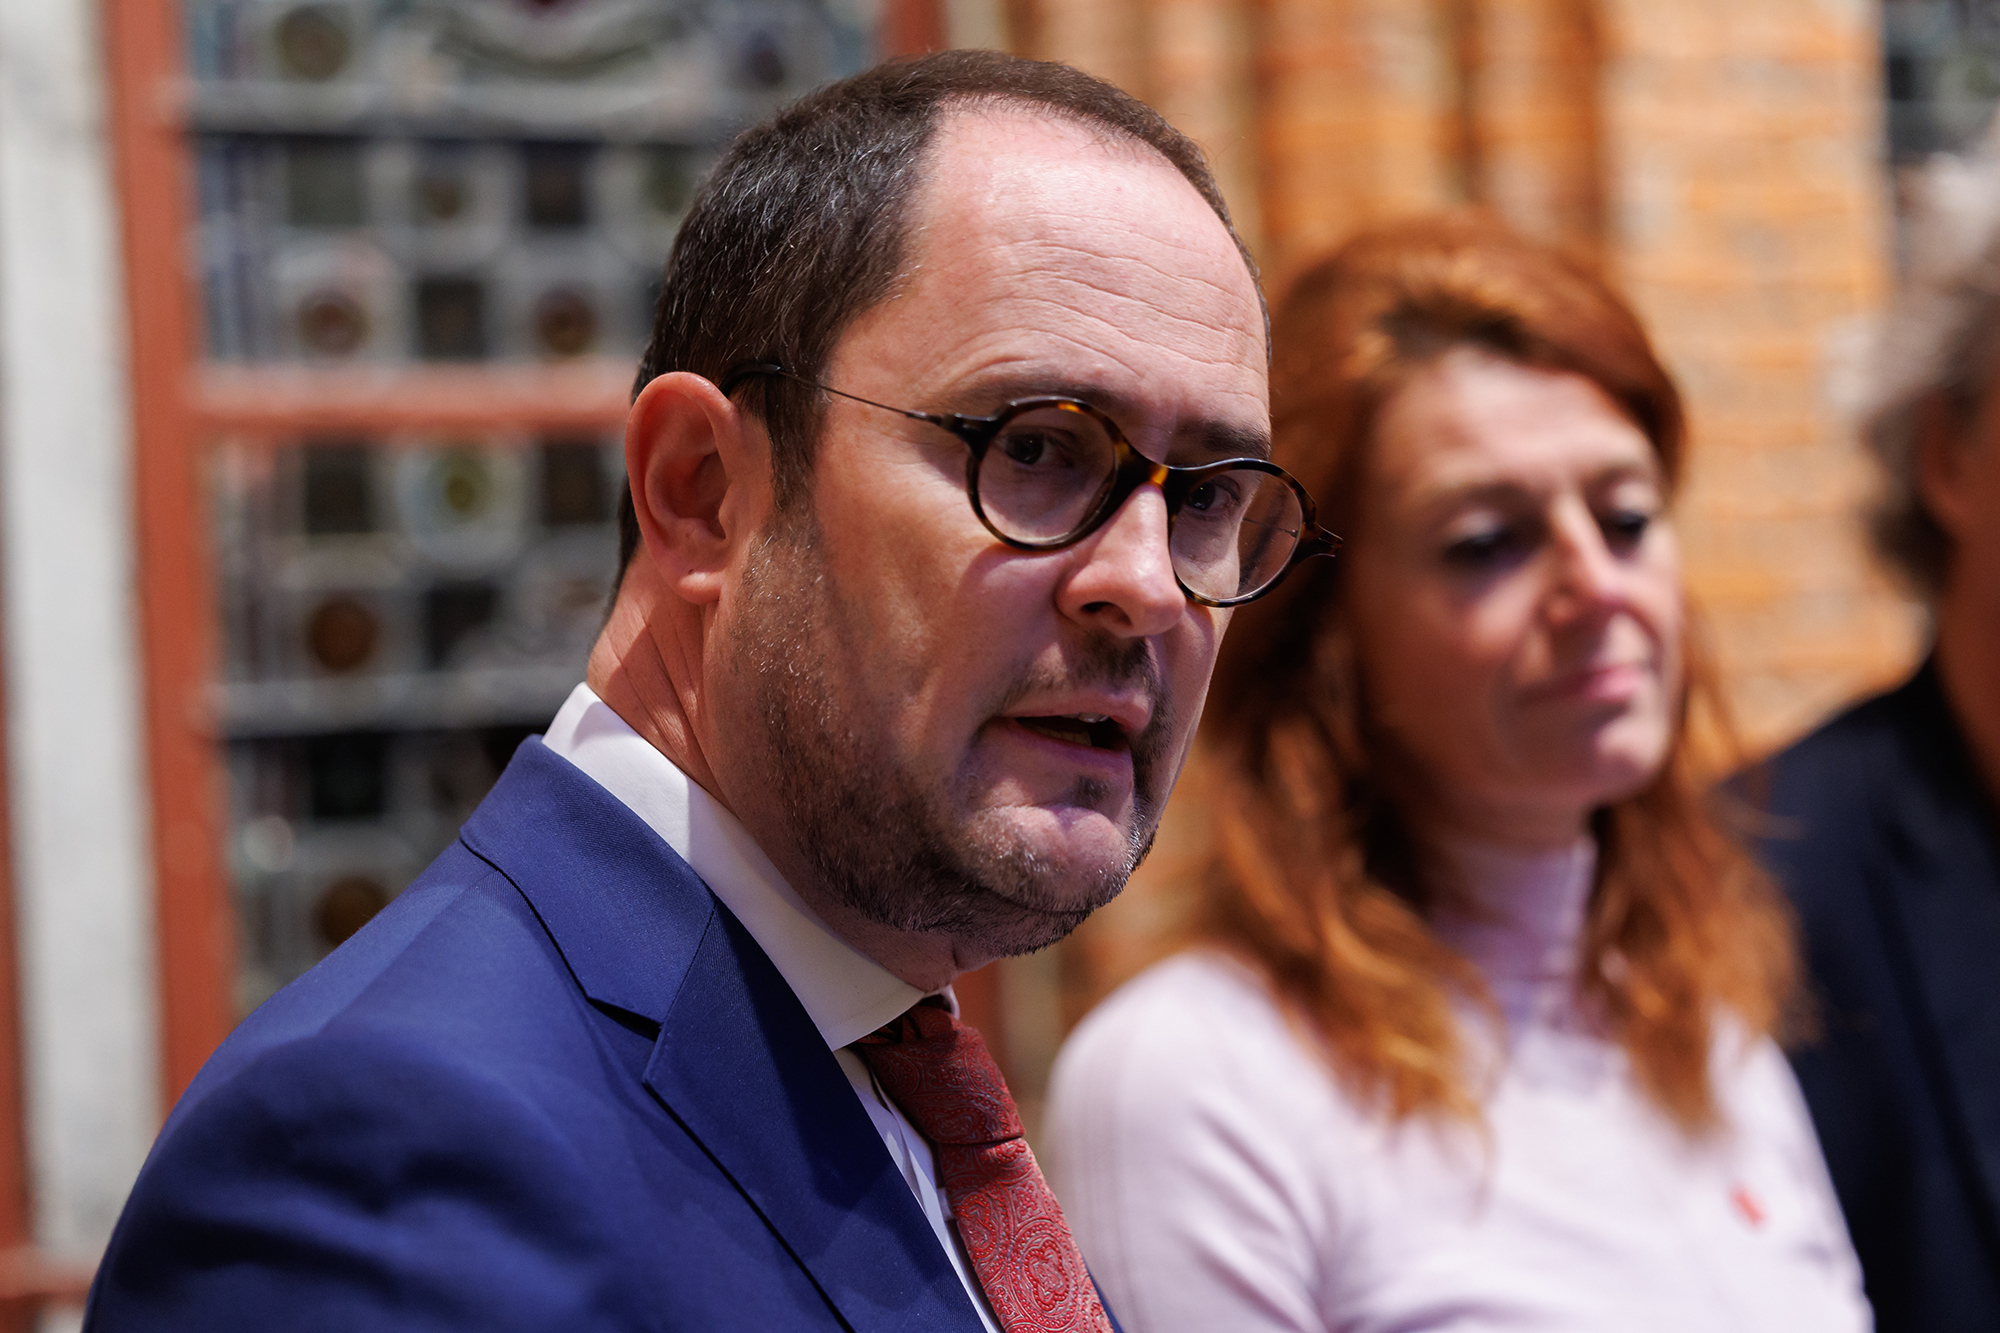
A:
(1047, 472)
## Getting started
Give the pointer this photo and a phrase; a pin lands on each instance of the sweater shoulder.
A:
(1198, 1044)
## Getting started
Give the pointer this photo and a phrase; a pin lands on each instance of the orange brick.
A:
(1723, 158)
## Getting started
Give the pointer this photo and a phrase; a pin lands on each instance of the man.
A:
(1884, 826)
(885, 692)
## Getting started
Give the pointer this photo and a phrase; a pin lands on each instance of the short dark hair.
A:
(804, 221)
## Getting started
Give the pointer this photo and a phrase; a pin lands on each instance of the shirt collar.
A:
(846, 993)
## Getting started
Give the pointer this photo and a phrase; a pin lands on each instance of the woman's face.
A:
(1515, 600)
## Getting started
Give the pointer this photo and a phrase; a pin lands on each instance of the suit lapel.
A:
(810, 1160)
(1940, 890)
(738, 1062)
(624, 911)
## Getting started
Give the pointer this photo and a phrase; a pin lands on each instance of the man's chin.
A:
(1066, 853)
(1004, 928)
(1061, 833)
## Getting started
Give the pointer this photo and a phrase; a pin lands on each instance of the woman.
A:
(1478, 1033)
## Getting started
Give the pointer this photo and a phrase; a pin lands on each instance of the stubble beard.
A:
(884, 841)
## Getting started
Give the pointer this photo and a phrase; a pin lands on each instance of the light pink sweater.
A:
(1219, 1178)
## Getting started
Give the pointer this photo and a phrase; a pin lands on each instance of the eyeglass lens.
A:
(1046, 472)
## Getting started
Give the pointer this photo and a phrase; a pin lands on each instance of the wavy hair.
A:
(1315, 878)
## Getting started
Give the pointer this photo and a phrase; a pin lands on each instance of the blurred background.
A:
(318, 319)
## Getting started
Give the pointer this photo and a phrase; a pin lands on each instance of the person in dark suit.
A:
(1883, 823)
(931, 532)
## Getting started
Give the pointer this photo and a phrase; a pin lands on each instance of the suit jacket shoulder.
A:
(1884, 838)
(554, 1085)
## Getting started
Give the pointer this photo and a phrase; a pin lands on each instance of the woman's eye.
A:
(1479, 549)
(1624, 528)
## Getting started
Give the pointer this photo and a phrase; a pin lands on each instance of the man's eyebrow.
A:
(1224, 440)
(1207, 437)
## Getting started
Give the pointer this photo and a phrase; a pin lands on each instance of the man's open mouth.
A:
(1091, 729)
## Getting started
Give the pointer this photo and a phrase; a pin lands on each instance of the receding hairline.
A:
(807, 221)
(959, 108)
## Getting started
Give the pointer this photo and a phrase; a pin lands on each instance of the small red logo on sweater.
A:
(1747, 1204)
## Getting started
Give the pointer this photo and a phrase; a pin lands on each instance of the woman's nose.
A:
(1589, 579)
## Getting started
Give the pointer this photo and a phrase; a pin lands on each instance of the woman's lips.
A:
(1616, 682)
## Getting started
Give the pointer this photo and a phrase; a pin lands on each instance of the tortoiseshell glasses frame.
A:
(1045, 473)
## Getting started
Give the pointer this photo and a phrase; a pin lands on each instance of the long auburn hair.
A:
(1315, 877)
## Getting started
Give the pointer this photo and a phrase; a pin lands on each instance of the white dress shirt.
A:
(1219, 1175)
(846, 993)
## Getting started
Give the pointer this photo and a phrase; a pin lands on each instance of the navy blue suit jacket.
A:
(555, 1085)
(1886, 841)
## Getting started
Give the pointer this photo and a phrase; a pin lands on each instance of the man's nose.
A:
(1123, 580)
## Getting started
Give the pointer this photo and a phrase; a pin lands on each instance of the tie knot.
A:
(938, 1070)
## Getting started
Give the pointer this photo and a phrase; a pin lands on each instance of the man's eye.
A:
(1034, 448)
(1219, 498)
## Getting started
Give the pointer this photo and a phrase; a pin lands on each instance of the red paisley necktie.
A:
(939, 1072)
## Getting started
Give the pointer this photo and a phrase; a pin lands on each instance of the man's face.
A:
(957, 736)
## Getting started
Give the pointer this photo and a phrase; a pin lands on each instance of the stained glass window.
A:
(392, 186)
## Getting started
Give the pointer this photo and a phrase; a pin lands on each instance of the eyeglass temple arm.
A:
(1317, 542)
(952, 422)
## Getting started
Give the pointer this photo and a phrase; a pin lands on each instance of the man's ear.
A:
(1942, 444)
(698, 480)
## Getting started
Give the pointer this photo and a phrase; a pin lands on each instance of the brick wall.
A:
(1534, 119)
(1720, 157)
(1747, 219)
